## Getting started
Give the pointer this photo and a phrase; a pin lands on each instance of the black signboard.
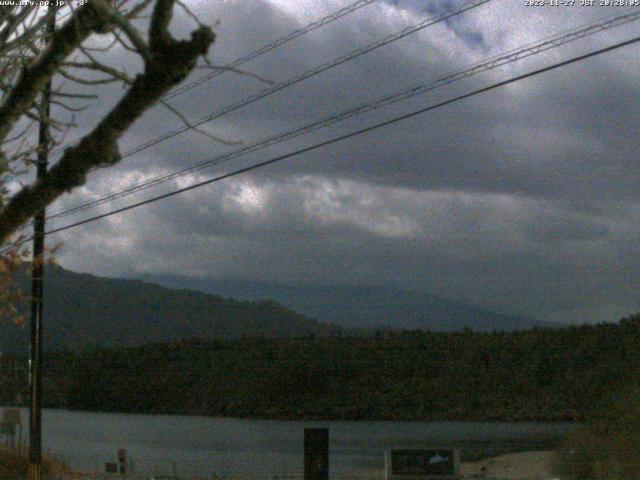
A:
(316, 453)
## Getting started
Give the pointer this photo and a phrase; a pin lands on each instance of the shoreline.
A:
(304, 418)
(523, 465)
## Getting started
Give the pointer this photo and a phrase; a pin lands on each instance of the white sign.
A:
(422, 464)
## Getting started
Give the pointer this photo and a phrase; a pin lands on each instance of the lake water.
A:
(202, 446)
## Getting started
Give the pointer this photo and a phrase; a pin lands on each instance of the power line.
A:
(271, 46)
(304, 76)
(256, 53)
(308, 74)
(483, 66)
(352, 134)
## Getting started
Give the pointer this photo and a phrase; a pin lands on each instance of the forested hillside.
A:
(83, 310)
(546, 374)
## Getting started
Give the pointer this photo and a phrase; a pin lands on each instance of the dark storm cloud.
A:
(523, 199)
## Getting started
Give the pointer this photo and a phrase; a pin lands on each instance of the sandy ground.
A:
(520, 466)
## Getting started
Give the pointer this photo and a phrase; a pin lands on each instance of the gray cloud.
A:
(523, 199)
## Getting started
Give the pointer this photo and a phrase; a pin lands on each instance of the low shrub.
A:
(608, 447)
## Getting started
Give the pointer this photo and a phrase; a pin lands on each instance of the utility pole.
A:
(37, 270)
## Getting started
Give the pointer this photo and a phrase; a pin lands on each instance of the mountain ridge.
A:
(361, 306)
(88, 311)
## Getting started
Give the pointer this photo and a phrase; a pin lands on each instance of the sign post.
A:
(316, 454)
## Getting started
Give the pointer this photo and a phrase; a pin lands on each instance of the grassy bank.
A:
(14, 466)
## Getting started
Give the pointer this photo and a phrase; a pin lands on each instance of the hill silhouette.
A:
(367, 307)
(83, 311)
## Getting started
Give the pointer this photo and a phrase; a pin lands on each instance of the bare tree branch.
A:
(169, 62)
(121, 22)
(33, 77)
(100, 67)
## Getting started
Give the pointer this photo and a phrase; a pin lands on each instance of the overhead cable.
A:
(349, 135)
(269, 47)
(480, 67)
(231, 66)
(303, 76)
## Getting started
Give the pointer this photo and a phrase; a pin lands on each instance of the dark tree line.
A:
(540, 374)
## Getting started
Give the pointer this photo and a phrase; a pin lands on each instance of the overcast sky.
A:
(524, 199)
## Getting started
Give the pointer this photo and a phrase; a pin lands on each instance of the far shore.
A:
(283, 417)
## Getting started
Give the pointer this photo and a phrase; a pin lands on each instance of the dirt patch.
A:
(520, 466)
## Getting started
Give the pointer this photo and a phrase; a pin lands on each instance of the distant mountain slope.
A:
(363, 307)
(84, 310)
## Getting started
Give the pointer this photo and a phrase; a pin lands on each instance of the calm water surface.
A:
(202, 446)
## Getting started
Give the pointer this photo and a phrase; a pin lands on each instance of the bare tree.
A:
(76, 54)
(79, 54)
